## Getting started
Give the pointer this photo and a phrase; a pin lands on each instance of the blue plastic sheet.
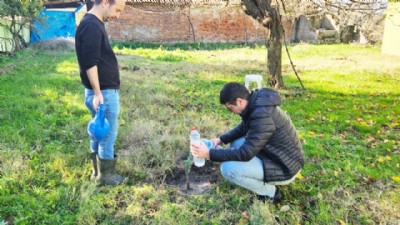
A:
(54, 24)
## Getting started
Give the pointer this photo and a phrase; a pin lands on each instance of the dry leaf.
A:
(388, 158)
(336, 173)
(362, 123)
(369, 180)
(396, 179)
(285, 208)
(341, 222)
(245, 215)
(299, 176)
(370, 139)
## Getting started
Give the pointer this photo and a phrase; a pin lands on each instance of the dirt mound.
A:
(56, 44)
(200, 178)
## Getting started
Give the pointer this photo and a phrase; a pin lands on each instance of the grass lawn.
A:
(348, 121)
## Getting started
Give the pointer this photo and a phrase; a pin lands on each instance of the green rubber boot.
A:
(107, 174)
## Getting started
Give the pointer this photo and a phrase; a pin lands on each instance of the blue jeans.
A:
(250, 174)
(105, 148)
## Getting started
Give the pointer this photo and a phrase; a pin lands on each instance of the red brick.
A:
(163, 25)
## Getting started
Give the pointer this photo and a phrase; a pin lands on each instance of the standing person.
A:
(100, 77)
(265, 150)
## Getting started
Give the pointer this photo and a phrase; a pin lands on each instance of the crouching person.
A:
(264, 151)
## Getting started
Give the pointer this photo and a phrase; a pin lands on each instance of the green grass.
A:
(348, 121)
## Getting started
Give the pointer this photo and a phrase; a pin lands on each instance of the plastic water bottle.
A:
(99, 126)
(195, 139)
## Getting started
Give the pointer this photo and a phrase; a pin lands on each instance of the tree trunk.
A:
(268, 15)
(17, 44)
(274, 47)
(13, 30)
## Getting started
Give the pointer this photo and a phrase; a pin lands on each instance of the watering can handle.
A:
(101, 114)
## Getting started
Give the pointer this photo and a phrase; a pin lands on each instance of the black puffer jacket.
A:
(269, 134)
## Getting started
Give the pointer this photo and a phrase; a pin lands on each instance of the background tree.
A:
(15, 15)
(268, 14)
(362, 13)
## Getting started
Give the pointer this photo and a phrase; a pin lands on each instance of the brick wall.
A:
(166, 25)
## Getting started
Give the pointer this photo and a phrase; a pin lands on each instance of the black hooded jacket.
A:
(269, 135)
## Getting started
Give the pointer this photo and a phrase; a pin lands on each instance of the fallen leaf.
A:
(336, 173)
(373, 164)
(369, 180)
(245, 215)
(299, 176)
(285, 208)
(370, 139)
(311, 133)
(388, 158)
(341, 222)
(396, 179)
(363, 123)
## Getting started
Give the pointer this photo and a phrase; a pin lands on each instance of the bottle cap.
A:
(193, 128)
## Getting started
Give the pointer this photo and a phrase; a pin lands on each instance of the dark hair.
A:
(231, 91)
(97, 2)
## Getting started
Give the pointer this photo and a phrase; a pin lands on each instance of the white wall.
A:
(391, 36)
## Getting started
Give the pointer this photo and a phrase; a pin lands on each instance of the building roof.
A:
(62, 3)
(186, 2)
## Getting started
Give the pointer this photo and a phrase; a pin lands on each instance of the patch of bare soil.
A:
(200, 178)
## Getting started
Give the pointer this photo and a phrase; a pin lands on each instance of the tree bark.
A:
(268, 15)
(274, 47)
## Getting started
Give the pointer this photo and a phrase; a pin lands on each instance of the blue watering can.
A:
(99, 126)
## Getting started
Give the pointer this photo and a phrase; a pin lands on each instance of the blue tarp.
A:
(55, 24)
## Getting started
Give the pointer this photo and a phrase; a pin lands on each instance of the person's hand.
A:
(200, 150)
(97, 100)
(216, 141)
